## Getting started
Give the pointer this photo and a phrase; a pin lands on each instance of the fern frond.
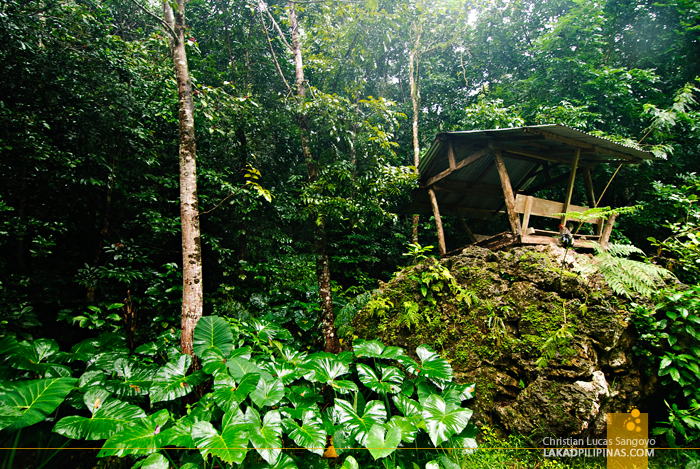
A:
(598, 212)
(623, 250)
(627, 277)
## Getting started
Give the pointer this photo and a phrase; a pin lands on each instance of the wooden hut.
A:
(486, 173)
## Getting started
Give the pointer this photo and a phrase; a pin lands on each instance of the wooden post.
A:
(526, 214)
(590, 195)
(607, 230)
(513, 217)
(570, 187)
(471, 236)
(438, 222)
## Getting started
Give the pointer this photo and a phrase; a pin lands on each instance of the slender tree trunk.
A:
(415, 101)
(323, 272)
(192, 288)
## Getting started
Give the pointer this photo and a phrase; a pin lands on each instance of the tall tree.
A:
(192, 287)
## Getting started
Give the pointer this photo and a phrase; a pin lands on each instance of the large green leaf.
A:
(376, 349)
(359, 425)
(154, 461)
(239, 367)
(267, 393)
(350, 463)
(172, 382)
(229, 395)
(212, 332)
(141, 438)
(442, 419)
(407, 406)
(133, 379)
(231, 445)
(33, 356)
(406, 426)
(33, 401)
(324, 368)
(311, 434)
(436, 368)
(213, 362)
(265, 435)
(109, 416)
(287, 372)
(389, 383)
(380, 446)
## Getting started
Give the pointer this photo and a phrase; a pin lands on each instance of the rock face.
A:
(550, 354)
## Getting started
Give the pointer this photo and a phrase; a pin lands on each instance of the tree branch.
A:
(272, 18)
(274, 57)
(158, 18)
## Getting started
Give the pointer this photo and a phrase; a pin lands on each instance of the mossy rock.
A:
(515, 300)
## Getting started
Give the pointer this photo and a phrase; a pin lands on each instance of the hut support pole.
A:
(438, 222)
(570, 187)
(507, 194)
(471, 236)
(607, 230)
(590, 196)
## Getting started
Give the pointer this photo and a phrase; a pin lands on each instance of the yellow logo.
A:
(628, 440)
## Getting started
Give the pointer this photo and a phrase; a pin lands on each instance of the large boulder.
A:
(550, 350)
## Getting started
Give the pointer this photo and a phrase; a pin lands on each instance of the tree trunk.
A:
(323, 272)
(415, 101)
(192, 288)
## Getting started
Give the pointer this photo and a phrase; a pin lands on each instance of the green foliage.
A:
(681, 250)
(671, 341)
(262, 391)
(628, 277)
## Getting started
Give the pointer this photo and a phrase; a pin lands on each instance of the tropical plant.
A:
(264, 397)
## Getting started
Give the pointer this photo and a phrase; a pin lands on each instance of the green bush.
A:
(255, 402)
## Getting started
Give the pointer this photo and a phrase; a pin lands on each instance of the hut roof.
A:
(467, 182)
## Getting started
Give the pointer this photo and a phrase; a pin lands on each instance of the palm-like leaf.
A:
(359, 425)
(32, 402)
(443, 420)
(212, 332)
(231, 445)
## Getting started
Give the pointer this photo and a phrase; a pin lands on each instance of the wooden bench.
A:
(528, 206)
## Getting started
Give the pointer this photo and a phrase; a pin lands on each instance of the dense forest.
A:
(236, 167)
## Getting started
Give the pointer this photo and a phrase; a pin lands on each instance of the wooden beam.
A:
(438, 222)
(451, 156)
(458, 187)
(458, 165)
(580, 144)
(513, 217)
(538, 156)
(471, 236)
(570, 187)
